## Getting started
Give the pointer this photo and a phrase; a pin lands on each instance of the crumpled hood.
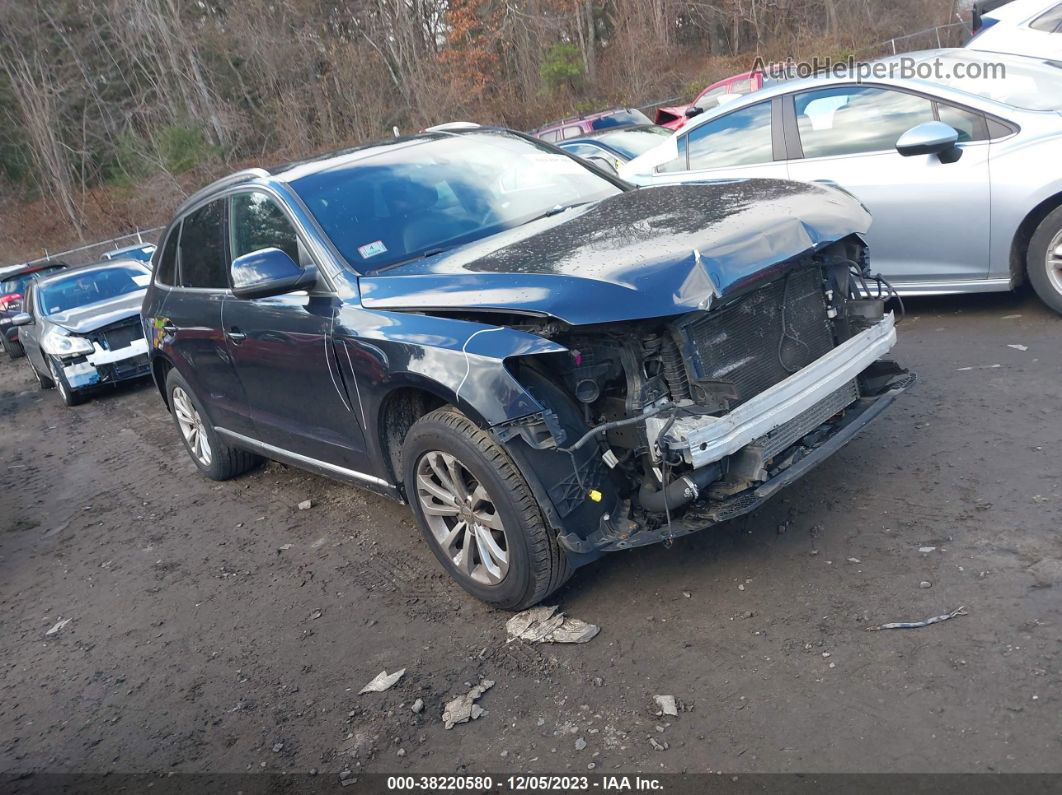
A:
(84, 319)
(651, 252)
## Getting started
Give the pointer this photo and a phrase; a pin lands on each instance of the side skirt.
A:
(323, 468)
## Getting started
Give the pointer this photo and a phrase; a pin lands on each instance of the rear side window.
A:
(1050, 21)
(203, 248)
(167, 270)
(572, 132)
(257, 223)
(550, 136)
(741, 138)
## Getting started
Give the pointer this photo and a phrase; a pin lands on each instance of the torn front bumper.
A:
(108, 366)
(621, 532)
(826, 385)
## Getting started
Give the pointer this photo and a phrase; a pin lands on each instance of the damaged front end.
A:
(656, 429)
(118, 353)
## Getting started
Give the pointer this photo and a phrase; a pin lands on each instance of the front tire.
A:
(42, 380)
(212, 457)
(70, 396)
(1044, 260)
(478, 514)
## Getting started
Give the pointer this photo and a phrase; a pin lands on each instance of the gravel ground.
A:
(217, 627)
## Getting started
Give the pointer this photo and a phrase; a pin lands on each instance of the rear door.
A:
(741, 144)
(931, 219)
(282, 348)
(193, 273)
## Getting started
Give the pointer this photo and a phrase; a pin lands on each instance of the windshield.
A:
(620, 118)
(17, 284)
(82, 288)
(1027, 83)
(410, 201)
(631, 143)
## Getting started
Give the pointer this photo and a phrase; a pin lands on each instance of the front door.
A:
(193, 277)
(282, 349)
(931, 218)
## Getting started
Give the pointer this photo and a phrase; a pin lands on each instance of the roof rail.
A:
(225, 182)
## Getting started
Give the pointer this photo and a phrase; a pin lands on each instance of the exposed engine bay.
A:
(669, 426)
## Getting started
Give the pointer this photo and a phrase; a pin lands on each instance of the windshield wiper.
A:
(431, 252)
(556, 209)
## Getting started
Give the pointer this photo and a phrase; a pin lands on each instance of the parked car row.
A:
(957, 172)
(548, 362)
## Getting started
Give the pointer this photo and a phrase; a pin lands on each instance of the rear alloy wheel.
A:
(71, 397)
(1044, 261)
(210, 454)
(191, 426)
(478, 514)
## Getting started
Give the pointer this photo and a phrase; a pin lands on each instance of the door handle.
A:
(236, 335)
(169, 328)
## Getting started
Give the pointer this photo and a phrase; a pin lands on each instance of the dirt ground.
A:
(217, 627)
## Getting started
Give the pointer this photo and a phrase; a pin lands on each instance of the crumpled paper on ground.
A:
(382, 682)
(463, 708)
(546, 625)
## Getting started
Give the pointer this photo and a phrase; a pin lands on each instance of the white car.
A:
(1022, 27)
(961, 175)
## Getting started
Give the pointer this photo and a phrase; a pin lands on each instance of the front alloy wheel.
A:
(462, 518)
(191, 425)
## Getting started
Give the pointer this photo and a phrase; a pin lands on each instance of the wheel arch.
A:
(160, 370)
(1019, 248)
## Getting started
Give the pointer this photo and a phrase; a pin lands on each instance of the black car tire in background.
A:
(536, 565)
(71, 397)
(225, 461)
(13, 349)
(1045, 240)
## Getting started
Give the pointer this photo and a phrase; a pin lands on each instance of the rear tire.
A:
(211, 455)
(534, 564)
(14, 350)
(1044, 260)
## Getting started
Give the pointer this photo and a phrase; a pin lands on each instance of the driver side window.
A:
(850, 120)
(257, 222)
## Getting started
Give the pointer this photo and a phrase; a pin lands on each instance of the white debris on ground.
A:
(667, 705)
(62, 622)
(979, 367)
(383, 681)
(1019, 347)
(464, 708)
(546, 625)
(305, 505)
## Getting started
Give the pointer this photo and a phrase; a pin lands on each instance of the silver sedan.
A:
(962, 174)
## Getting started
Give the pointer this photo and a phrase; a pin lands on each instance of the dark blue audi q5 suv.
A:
(543, 361)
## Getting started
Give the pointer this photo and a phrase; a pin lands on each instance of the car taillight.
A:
(10, 302)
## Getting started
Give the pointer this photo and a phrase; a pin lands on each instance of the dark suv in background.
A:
(545, 362)
(13, 285)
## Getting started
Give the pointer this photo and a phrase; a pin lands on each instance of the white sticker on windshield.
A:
(141, 279)
(372, 249)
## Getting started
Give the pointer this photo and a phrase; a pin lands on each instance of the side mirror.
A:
(604, 164)
(269, 271)
(931, 138)
(22, 319)
(692, 111)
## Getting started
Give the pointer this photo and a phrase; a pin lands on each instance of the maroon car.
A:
(578, 126)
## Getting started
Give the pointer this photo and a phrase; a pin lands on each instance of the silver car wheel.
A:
(462, 518)
(191, 425)
(1054, 263)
